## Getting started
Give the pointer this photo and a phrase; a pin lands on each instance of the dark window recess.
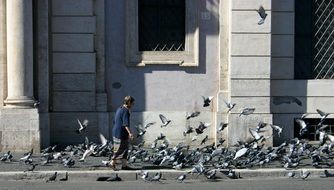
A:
(314, 39)
(312, 127)
(161, 25)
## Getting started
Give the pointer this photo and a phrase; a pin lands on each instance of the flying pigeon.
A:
(240, 153)
(207, 100)
(229, 105)
(263, 15)
(303, 126)
(222, 126)
(247, 111)
(82, 126)
(164, 120)
(278, 129)
(205, 139)
(149, 125)
(304, 174)
(323, 115)
(192, 115)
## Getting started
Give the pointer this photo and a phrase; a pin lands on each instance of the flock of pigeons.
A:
(206, 160)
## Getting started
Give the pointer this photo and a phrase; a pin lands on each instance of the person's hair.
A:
(128, 100)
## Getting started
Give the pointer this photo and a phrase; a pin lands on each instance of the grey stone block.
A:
(73, 42)
(72, 7)
(74, 62)
(251, 44)
(251, 4)
(282, 68)
(283, 5)
(73, 101)
(282, 45)
(249, 88)
(283, 23)
(250, 67)
(74, 82)
(74, 24)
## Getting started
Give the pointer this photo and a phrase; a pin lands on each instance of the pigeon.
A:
(322, 136)
(291, 174)
(211, 174)
(103, 140)
(192, 115)
(181, 178)
(52, 178)
(201, 127)
(160, 137)
(157, 177)
(140, 133)
(263, 15)
(82, 126)
(278, 129)
(164, 120)
(36, 104)
(115, 178)
(255, 134)
(194, 138)
(323, 115)
(64, 178)
(6, 157)
(247, 111)
(207, 100)
(222, 126)
(204, 140)
(240, 153)
(149, 125)
(304, 174)
(303, 126)
(327, 174)
(278, 100)
(87, 153)
(188, 131)
(26, 158)
(31, 168)
(145, 176)
(230, 106)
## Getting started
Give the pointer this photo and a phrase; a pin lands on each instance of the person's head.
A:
(128, 101)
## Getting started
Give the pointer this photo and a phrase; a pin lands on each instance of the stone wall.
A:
(250, 67)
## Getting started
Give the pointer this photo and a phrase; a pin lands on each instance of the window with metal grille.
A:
(161, 25)
(312, 128)
(314, 39)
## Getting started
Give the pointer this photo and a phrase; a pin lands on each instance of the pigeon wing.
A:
(104, 141)
(321, 113)
(163, 118)
(240, 153)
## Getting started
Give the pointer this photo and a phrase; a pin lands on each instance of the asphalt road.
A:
(272, 184)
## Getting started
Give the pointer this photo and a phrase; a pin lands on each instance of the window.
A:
(161, 25)
(314, 39)
(162, 32)
(312, 127)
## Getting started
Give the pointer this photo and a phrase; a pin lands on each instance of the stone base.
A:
(19, 130)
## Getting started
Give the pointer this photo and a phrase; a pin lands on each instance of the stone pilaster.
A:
(19, 54)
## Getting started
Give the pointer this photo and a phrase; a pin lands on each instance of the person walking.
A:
(121, 133)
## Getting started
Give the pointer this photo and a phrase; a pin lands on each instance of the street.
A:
(256, 184)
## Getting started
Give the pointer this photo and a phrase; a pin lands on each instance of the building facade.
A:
(79, 58)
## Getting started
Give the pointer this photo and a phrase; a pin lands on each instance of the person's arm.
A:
(129, 131)
(126, 122)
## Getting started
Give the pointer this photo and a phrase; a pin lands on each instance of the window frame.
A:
(187, 58)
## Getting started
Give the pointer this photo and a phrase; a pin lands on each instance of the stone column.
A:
(19, 54)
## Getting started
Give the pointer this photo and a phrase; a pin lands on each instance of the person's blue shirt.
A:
(121, 119)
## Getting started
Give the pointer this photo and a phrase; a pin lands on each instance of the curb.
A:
(92, 175)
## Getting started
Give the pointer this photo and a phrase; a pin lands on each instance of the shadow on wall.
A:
(160, 87)
(283, 84)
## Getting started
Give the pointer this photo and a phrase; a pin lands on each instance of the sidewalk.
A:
(91, 169)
